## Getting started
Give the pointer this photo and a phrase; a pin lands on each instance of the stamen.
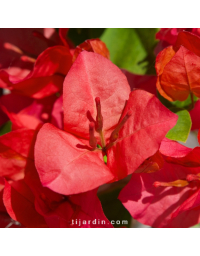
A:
(192, 177)
(176, 183)
(99, 117)
(12, 47)
(92, 140)
(115, 134)
(27, 59)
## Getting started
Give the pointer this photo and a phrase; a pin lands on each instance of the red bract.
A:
(34, 206)
(20, 47)
(19, 203)
(25, 112)
(174, 152)
(160, 206)
(194, 114)
(28, 202)
(47, 76)
(168, 36)
(57, 113)
(178, 68)
(169, 197)
(62, 211)
(15, 147)
(14, 104)
(99, 110)
(49, 69)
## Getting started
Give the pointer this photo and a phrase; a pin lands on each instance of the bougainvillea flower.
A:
(48, 74)
(178, 68)
(98, 110)
(14, 149)
(28, 202)
(168, 36)
(62, 211)
(49, 209)
(170, 196)
(167, 198)
(177, 74)
(29, 113)
(20, 47)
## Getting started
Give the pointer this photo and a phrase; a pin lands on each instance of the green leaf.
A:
(196, 226)
(114, 209)
(5, 128)
(132, 48)
(182, 128)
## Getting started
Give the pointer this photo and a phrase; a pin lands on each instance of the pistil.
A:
(99, 122)
(176, 183)
(12, 47)
(115, 134)
(92, 140)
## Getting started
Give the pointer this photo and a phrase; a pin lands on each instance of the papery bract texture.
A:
(178, 68)
(75, 167)
(179, 76)
(71, 164)
(93, 76)
(140, 137)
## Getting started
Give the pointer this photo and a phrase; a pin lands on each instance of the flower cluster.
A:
(81, 125)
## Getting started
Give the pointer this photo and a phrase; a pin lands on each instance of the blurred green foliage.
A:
(132, 48)
(5, 128)
(113, 208)
(79, 35)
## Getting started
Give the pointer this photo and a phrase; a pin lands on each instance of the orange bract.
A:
(178, 71)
